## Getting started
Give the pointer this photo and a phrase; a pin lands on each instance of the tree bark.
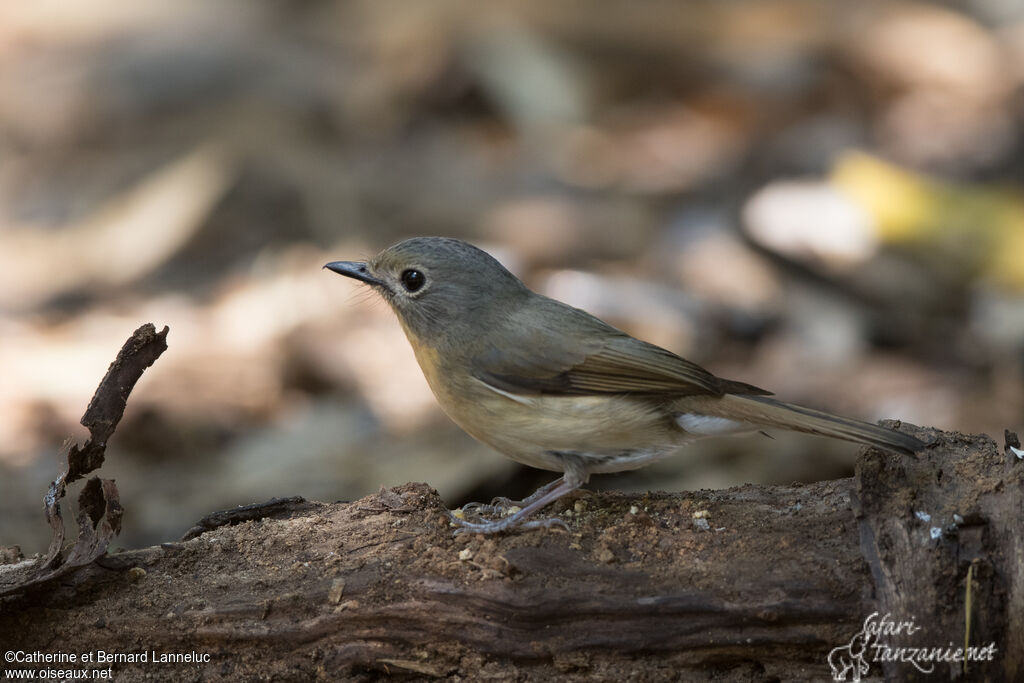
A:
(750, 583)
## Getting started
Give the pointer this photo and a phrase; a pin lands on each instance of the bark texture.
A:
(751, 583)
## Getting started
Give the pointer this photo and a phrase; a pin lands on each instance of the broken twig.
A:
(99, 515)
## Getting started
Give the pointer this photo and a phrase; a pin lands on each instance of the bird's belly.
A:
(604, 433)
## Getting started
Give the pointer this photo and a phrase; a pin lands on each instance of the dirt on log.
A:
(751, 583)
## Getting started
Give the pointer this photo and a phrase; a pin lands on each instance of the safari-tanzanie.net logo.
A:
(882, 639)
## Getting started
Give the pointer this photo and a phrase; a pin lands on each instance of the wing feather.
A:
(599, 359)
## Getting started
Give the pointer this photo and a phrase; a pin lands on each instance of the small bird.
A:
(553, 387)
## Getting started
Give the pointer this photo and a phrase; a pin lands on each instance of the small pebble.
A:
(348, 604)
(336, 590)
(465, 555)
(510, 510)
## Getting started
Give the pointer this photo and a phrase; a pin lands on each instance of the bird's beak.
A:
(354, 269)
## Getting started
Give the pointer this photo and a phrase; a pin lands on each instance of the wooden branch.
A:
(99, 517)
(776, 581)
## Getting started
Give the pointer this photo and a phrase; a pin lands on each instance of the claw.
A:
(548, 523)
(499, 507)
(477, 509)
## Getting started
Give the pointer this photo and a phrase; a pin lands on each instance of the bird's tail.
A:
(768, 412)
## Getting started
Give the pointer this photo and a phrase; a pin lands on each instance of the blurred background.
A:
(820, 198)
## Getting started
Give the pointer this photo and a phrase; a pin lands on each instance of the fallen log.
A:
(749, 583)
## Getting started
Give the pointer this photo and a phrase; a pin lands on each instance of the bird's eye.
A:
(413, 280)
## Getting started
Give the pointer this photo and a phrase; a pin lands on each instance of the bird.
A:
(553, 387)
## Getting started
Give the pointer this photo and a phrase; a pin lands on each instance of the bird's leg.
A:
(574, 477)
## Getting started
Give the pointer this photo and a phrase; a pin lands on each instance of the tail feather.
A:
(768, 412)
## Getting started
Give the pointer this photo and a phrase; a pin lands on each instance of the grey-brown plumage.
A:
(554, 387)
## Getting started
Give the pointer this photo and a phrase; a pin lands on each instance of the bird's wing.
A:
(596, 359)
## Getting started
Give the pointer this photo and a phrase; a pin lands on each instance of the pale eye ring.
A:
(413, 280)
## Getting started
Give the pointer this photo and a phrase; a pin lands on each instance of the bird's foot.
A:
(499, 507)
(473, 517)
(512, 519)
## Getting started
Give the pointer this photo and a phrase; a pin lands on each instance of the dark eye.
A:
(413, 279)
